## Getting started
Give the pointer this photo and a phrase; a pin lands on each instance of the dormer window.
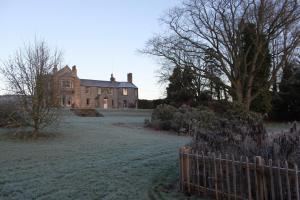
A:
(66, 84)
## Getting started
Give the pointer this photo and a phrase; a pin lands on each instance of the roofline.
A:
(134, 86)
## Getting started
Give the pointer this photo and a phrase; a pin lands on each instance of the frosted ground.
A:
(111, 157)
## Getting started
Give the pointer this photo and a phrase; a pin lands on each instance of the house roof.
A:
(107, 84)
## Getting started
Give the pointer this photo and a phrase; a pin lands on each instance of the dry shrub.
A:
(10, 115)
(245, 135)
(233, 131)
(284, 145)
(227, 129)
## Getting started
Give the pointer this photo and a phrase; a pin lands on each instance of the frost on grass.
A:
(94, 158)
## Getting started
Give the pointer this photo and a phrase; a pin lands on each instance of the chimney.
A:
(54, 70)
(129, 77)
(112, 78)
(74, 71)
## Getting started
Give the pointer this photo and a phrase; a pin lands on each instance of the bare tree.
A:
(28, 76)
(201, 28)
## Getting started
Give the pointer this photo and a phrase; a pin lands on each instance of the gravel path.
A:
(111, 157)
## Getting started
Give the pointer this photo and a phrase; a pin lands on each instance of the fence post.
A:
(248, 179)
(181, 170)
(296, 181)
(259, 177)
(185, 161)
(216, 176)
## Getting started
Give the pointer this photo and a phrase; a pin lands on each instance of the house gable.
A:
(64, 72)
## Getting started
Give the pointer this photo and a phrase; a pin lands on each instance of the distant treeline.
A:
(150, 104)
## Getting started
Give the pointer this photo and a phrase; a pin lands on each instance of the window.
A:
(125, 91)
(66, 100)
(66, 84)
(109, 90)
(87, 102)
(136, 92)
(105, 90)
(87, 89)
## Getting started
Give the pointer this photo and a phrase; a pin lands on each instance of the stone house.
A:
(71, 91)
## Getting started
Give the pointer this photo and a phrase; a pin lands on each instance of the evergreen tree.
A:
(182, 89)
(286, 103)
(262, 103)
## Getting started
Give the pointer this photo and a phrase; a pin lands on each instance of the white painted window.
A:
(66, 84)
(125, 91)
(99, 91)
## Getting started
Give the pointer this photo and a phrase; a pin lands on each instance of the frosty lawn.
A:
(111, 157)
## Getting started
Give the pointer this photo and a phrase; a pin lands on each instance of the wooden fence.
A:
(229, 178)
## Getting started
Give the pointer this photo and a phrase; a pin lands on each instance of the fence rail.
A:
(226, 177)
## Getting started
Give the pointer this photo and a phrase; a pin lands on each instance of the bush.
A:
(284, 145)
(185, 117)
(229, 132)
(86, 112)
(10, 115)
(167, 117)
(243, 134)
(162, 117)
(150, 104)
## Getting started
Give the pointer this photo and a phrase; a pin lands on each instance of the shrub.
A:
(167, 117)
(243, 134)
(10, 115)
(185, 117)
(87, 113)
(284, 145)
(229, 132)
(150, 104)
(163, 112)
(162, 116)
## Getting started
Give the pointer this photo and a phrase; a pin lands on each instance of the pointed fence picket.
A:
(226, 177)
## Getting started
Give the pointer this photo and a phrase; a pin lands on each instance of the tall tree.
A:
(199, 25)
(286, 103)
(181, 89)
(28, 76)
(249, 34)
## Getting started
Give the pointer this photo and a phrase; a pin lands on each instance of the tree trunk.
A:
(35, 128)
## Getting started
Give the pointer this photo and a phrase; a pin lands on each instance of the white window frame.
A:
(70, 83)
(125, 91)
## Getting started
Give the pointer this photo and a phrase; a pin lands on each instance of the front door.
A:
(105, 103)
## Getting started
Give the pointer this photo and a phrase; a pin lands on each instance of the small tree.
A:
(28, 76)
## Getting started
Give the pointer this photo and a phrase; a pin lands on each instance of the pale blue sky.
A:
(99, 37)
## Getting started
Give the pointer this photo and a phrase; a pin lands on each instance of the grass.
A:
(112, 157)
(277, 127)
